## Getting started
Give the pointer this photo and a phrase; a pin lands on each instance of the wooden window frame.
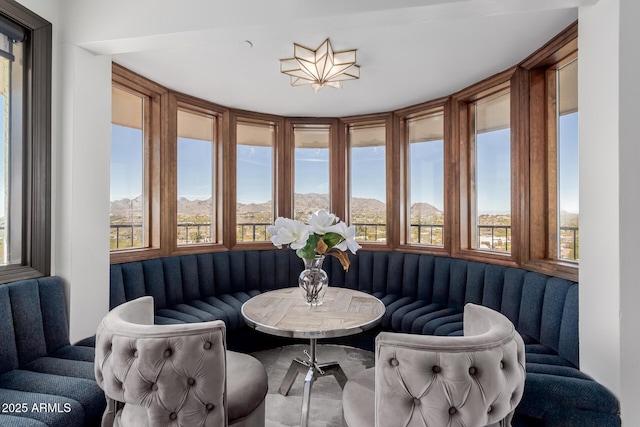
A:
(336, 172)
(281, 191)
(36, 165)
(392, 183)
(461, 233)
(541, 254)
(401, 164)
(219, 114)
(155, 143)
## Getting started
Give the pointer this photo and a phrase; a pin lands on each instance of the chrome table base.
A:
(313, 371)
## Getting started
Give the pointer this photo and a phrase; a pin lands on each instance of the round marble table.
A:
(284, 312)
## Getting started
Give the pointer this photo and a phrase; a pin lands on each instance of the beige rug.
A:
(326, 395)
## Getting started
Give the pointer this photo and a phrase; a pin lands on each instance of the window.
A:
(311, 168)
(566, 118)
(425, 179)
(196, 174)
(25, 129)
(487, 174)
(136, 180)
(128, 213)
(11, 94)
(490, 154)
(255, 145)
(368, 186)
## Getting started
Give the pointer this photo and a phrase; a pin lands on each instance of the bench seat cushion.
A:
(44, 407)
(84, 391)
(226, 307)
(556, 394)
(13, 421)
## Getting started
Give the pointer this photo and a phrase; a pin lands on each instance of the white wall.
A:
(82, 251)
(81, 111)
(629, 209)
(610, 199)
(599, 193)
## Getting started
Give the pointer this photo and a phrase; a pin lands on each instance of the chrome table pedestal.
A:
(313, 370)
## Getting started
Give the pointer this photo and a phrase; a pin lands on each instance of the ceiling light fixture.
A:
(320, 67)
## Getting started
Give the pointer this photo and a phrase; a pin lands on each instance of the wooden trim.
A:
(450, 176)
(520, 165)
(229, 177)
(169, 175)
(538, 189)
(564, 270)
(486, 88)
(554, 50)
(340, 185)
(551, 143)
(402, 217)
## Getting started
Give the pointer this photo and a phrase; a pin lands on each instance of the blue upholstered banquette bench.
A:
(44, 381)
(423, 294)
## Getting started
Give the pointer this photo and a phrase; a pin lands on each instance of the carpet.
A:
(326, 395)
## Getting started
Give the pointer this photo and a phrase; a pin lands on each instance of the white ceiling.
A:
(409, 51)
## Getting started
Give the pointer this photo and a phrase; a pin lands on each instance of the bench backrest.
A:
(542, 307)
(33, 321)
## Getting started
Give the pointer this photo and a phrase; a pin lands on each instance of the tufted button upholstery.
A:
(479, 381)
(167, 373)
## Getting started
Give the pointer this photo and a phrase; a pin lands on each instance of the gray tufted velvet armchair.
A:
(174, 375)
(421, 380)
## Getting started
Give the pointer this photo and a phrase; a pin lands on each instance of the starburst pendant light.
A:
(320, 67)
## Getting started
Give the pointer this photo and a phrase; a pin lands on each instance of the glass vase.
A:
(313, 281)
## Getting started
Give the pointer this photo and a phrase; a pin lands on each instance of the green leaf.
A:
(331, 239)
(309, 250)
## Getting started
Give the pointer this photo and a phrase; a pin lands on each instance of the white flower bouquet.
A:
(324, 235)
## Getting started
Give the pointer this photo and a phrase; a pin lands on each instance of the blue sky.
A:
(126, 162)
(195, 160)
(368, 177)
(568, 155)
(493, 172)
(311, 170)
(427, 173)
(255, 165)
(255, 172)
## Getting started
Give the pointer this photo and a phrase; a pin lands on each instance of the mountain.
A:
(125, 209)
(423, 210)
(569, 219)
(188, 207)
